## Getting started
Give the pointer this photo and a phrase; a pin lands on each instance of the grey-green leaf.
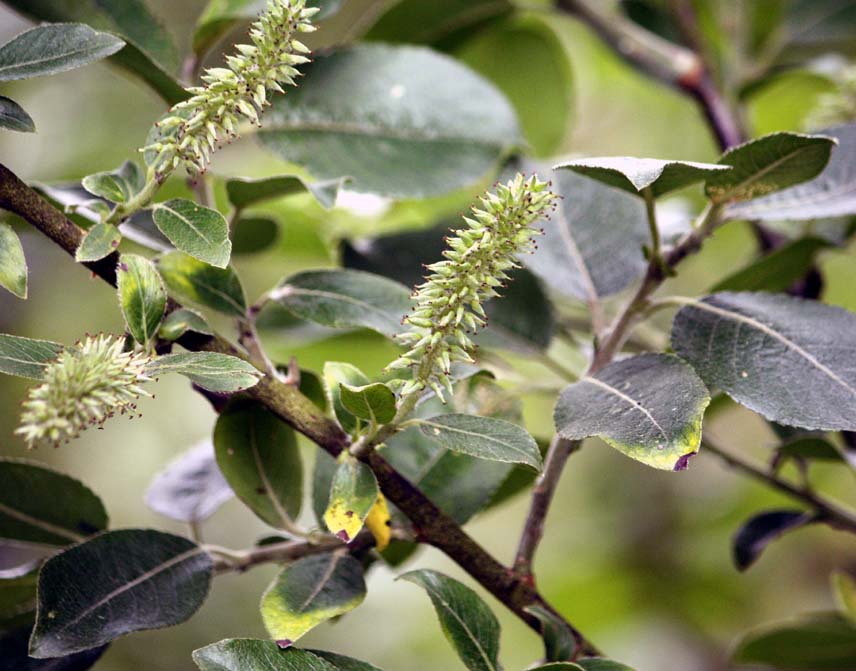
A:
(310, 591)
(467, 622)
(40, 505)
(119, 185)
(592, 245)
(649, 407)
(336, 374)
(788, 359)
(48, 49)
(559, 642)
(199, 231)
(142, 296)
(13, 264)
(831, 194)
(634, 175)
(178, 322)
(483, 437)
(401, 121)
(346, 299)
(257, 454)
(353, 492)
(243, 192)
(25, 357)
(601, 664)
(203, 284)
(818, 642)
(373, 402)
(343, 663)
(559, 666)
(14, 117)
(770, 163)
(101, 240)
(251, 235)
(245, 654)
(213, 371)
(115, 584)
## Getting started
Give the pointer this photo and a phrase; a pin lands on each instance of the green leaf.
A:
(600, 664)
(346, 299)
(770, 163)
(101, 240)
(310, 591)
(213, 371)
(844, 588)
(149, 52)
(197, 282)
(810, 449)
(178, 322)
(115, 584)
(335, 375)
(257, 454)
(25, 357)
(17, 599)
(559, 642)
(648, 407)
(13, 264)
(401, 121)
(243, 192)
(49, 49)
(343, 663)
(634, 175)
(14, 117)
(374, 402)
(760, 530)
(819, 642)
(251, 235)
(191, 488)
(14, 643)
(778, 270)
(467, 622)
(592, 245)
(770, 353)
(118, 186)
(40, 505)
(142, 296)
(352, 495)
(195, 230)
(236, 654)
(484, 438)
(831, 194)
(559, 666)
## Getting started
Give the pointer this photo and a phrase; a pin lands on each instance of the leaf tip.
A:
(683, 462)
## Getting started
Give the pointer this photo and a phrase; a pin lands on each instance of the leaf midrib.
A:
(483, 436)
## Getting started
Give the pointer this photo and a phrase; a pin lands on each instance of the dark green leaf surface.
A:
(210, 370)
(191, 488)
(760, 530)
(40, 505)
(352, 494)
(769, 353)
(831, 194)
(101, 240)
(25, 357)
(15, 654)
(600, 664)
(467, 622)
(592, 245)
(142, 296)
(634, 175)
(401, 121)
(14, 117)
(346, 299)
(648, 407)
(257, 453)
(17, 596)
(180, 321)
(821, 642)
(310, 591)
(484, 438)
(119, 185)
(559, 642)
(115, 584)
(559, 666)
(195, 230)
(244, 192)
(49, 49)
(336, 374)
(245, 654)
(373, 402)
(197, 282)
(13, 265)
(251, 235)
(809, 449)
(343, 663)
(767, 164)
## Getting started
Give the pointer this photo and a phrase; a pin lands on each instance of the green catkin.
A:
(193, 129)
(477, 261)
(85, 386)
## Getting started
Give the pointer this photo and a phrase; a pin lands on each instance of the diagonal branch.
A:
(431, 525)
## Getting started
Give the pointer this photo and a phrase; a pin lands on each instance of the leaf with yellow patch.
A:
(352, 495)
(377, 521)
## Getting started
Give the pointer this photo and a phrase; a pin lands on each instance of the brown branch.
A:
(431, 525)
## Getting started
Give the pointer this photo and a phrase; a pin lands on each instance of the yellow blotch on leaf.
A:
(377, 521)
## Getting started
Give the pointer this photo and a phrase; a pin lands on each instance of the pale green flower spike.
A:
(449, 303)
(195, 127)
(86, 385)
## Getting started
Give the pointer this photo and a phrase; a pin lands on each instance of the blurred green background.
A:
(638, 559)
